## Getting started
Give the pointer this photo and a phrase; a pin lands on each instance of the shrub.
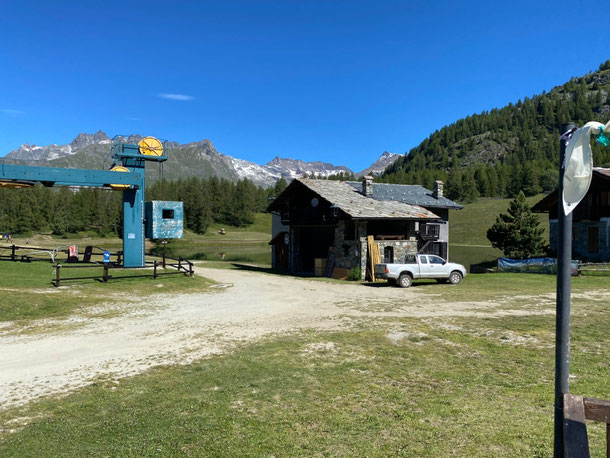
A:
(354, 274)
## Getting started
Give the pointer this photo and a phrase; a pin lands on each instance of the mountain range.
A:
(92, 151)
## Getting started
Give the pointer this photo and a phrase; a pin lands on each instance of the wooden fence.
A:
(576, 410)
(181, 265)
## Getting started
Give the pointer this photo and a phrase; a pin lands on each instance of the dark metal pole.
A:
(562, 319)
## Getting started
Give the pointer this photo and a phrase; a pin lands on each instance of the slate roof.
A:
(352, 202)
(407, 193)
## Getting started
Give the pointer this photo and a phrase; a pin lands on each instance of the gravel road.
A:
(178, 329)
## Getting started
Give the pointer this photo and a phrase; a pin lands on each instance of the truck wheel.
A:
(455, 277)
(405, 280)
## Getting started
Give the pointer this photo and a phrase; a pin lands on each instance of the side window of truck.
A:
(423, 260)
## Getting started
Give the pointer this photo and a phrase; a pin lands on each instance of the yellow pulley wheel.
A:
(150, 146)
(119, 187)
(16, 184)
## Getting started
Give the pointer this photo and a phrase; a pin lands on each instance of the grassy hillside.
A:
(468, 230)
(469, 226)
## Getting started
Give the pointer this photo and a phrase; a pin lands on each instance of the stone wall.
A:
(580, 239)
(347, 252)
(401, 249)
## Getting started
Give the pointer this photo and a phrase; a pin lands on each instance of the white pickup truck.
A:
(421, 266)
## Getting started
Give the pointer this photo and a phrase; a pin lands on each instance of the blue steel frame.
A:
(128, 156)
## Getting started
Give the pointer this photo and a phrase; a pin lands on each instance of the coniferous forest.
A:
(64, 210)
(502, 151)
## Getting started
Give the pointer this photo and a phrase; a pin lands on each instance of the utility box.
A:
(164, 220)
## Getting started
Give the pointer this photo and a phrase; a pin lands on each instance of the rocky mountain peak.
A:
(83, 140)
(377, 167)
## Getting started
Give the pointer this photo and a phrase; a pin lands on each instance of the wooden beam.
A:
(575, 439)
(596, 409)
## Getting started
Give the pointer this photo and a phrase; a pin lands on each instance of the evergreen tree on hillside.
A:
(517, 233)
(279, 187)
(520, 142)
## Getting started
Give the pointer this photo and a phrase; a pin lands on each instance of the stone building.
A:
(590, 219)
(322, 222)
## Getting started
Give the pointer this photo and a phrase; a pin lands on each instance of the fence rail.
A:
(592, 268)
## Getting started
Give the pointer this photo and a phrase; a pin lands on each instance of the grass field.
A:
(27, 292)
(445, 386)
(468, 230)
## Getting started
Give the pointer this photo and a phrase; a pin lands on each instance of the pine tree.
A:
(517, 233)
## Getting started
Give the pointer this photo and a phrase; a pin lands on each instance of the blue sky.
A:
(336, 81)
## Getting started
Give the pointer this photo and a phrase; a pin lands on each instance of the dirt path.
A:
(182, 328)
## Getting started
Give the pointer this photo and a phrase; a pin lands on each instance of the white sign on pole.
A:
(579, 165)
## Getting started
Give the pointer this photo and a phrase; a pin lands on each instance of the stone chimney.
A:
(438, 189)
(367, 186)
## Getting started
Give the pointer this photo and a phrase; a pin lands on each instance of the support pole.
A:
(562, 318)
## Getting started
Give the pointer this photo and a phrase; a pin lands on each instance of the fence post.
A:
(190, 269)
(12, 252)
(155, 270)
(105, 276)
(57, 275)
(179, 263)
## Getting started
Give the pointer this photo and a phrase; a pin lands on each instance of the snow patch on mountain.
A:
(378, 167)
(254, 172)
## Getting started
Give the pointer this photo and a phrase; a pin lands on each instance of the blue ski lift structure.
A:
(128, 157)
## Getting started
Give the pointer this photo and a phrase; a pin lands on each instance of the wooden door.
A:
(592, 239)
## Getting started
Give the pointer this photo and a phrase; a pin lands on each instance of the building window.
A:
(168, 213)
(432, 230)
(575, 233)
(350, 230)
(388, 255)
